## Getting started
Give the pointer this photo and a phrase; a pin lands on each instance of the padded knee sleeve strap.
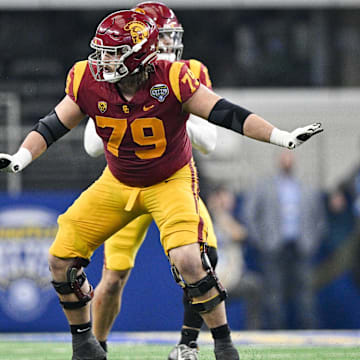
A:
(201, 287)
(205, 284)
(207, 305)
(74, 284)
(65, 288)
(72, 305)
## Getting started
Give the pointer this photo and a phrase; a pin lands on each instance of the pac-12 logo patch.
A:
(102, 106)
(159, 92)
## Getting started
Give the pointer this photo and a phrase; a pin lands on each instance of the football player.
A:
(140, 108)
(116, 271)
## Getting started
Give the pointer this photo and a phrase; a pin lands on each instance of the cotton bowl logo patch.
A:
(26, 233)
(102, 106)
(159, 92)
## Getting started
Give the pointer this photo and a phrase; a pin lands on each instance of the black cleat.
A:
(229, 353)
(104, 345)
(86, 347)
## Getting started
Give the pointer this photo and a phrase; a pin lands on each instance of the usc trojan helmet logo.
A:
(138, 31)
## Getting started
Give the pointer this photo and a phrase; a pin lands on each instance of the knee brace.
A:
(73, 285)
(213, 256)
(202, 286)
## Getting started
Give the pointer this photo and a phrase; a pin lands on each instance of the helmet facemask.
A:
(107, 63)
(170, 43)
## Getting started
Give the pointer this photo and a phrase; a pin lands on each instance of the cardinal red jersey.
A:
(145, 139)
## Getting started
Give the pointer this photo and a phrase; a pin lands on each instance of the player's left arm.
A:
(208, 105)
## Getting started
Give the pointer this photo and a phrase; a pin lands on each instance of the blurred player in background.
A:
(107, 299)
(141, 107)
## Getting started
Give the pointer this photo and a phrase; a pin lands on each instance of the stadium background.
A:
(291, 61)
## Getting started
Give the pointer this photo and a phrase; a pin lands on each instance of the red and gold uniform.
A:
(150, 169)
(121, 257)
(145, 138)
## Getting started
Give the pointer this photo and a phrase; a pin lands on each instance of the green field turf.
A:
(62, 351)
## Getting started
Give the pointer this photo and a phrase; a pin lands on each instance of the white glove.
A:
(17, 162)
(296, 137)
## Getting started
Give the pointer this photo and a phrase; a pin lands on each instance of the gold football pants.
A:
(110, 209)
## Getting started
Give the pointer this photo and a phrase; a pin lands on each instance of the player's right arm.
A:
(65, 116)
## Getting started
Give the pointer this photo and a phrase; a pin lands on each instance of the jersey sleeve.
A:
(201, 72)
(74, 79)
(183, 82)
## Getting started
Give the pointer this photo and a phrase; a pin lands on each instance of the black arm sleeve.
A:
(51, 128)
(229, 115)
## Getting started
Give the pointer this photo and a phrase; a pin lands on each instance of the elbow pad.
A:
(229, 115)
(51, 128)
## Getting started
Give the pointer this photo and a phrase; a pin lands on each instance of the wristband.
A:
(21, 159)
(280, 137)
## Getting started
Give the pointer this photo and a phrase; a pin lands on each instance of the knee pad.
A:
(73, 285)
(202, 286)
